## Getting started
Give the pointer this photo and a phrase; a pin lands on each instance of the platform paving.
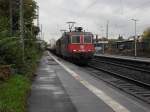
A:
(48, 94)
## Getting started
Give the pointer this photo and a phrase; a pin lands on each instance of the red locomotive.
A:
(76, 45)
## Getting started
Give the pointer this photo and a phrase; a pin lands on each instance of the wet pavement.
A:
(48, 94)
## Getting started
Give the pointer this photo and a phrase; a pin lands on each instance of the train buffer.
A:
(64, 87)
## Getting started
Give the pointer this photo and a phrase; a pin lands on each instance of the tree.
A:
(146, 35)
(120, 38)
(4, 6)
(29, 14)
(10, 47)
(4, 15)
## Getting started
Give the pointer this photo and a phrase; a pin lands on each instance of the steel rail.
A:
(123, 65)
(140, 83)
(123, 61)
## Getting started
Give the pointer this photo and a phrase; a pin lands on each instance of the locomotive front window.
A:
(87, 39)
(75, 39)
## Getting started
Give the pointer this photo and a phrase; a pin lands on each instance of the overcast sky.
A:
(93, 16)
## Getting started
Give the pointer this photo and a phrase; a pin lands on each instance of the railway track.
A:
(136, 64)
(125, 65)
(130, 79)
(139, 75)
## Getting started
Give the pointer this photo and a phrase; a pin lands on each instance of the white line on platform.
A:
(117, 107)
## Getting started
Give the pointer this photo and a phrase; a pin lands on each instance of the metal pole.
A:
(22, 28)
(11, 17)
(135, 38)
(102, 29)
(41, 33)
(107, 28)
(135, 41)
(38, 22)
(103, 48)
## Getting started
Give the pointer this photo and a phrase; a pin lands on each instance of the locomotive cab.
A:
(81, 46)
(76, 45)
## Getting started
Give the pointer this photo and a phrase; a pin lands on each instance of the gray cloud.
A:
(93, 14)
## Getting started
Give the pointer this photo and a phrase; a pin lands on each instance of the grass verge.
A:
(13, 94)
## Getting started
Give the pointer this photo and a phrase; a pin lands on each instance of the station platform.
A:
(132, 58)
(61, 86)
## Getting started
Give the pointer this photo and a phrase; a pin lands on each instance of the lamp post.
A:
(135, 38)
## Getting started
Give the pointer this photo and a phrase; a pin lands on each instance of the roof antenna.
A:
(71, 25)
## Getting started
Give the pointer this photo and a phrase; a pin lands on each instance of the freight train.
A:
(76, 45)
